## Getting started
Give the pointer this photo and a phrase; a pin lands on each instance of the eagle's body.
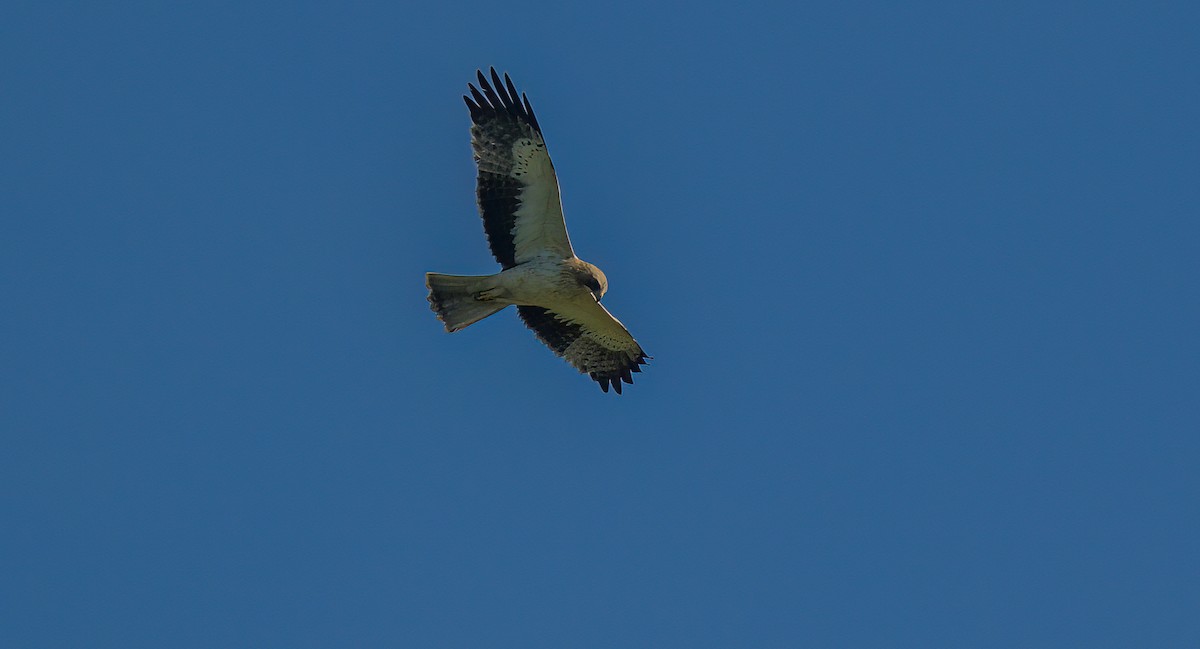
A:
(556, 293)
(547, 282)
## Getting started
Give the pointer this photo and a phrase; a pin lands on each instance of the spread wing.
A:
(591, 339)
(517, 189)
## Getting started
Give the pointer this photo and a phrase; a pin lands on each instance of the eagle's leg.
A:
(490, 294)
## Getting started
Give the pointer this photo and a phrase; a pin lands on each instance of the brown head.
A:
(593, 279)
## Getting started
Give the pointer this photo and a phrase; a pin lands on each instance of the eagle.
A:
(557, 294)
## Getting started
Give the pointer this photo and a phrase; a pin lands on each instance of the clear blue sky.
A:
(920, 281)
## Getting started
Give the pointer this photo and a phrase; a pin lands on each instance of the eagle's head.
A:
(594, 279)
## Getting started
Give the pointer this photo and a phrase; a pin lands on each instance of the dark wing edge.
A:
(498, 100)
(608, 367)
(498, 115)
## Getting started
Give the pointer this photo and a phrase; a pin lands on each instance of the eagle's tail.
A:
(453, 298)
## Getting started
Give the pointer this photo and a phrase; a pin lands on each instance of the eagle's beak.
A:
(596, 294)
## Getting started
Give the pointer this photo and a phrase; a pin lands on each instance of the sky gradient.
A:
(919, 280)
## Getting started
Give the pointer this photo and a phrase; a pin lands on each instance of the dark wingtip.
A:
(603, 381)
(479, 102)
(612, 380)
(497, 96)
(499, 85)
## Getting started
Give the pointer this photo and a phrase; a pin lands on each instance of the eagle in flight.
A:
(556, 293)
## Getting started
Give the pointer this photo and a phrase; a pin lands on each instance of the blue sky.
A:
(920, 281)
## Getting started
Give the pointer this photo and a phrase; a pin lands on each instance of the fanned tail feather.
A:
(452, 298)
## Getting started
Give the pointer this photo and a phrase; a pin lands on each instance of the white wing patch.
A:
(539, 226)
(600, 326)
